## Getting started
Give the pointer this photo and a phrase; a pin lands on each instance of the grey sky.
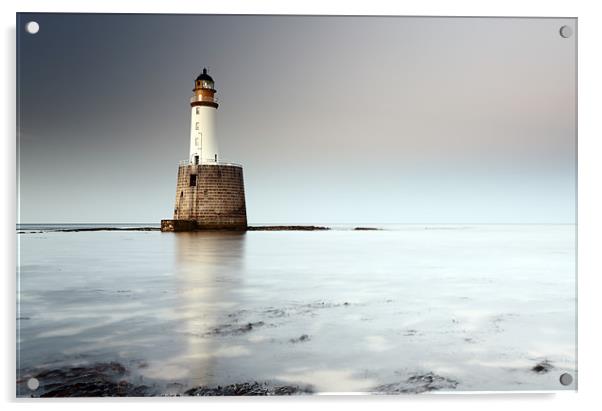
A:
(336, 119)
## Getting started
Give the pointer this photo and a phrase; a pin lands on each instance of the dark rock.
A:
(97, 388)
(417, 384)
(77, 230)
(291, 390)
(542, 367)
(230, 329)
(97, 380)
(249, 326)
(286, 228)
(303, 338)
(249, 388)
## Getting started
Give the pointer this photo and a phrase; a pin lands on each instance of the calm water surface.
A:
(341, 310)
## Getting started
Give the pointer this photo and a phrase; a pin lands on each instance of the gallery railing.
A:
(208, 162)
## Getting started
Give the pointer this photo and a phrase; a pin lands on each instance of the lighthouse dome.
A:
(204, 80)
(204, 76)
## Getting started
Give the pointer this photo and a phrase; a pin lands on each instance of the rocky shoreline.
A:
(113, 380)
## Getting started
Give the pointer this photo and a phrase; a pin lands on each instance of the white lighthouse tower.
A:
(203, 139)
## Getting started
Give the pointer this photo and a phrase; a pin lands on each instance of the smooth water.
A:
(341, 310)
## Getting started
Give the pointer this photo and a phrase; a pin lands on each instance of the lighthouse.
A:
(203, 141)
(210, 193)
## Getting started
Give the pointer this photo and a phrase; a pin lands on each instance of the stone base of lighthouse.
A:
(208, 197)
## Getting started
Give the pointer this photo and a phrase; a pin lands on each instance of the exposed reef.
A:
(287, 228)
(542, 367)
(303, 338)
(230, 329)
(74, 230)
(111, 380)
(250, 388)
(98, 380)
(77, 230)
(417, 384)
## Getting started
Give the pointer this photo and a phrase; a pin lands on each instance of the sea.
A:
(401, 309)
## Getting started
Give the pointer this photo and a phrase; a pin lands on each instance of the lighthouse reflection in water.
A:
(208, 271)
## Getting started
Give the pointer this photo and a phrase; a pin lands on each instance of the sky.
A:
(420, 120)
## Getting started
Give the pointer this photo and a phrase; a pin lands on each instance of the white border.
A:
(590, 186)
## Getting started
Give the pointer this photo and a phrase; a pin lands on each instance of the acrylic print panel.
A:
(294, 205)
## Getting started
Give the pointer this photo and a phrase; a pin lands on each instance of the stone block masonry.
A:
(210, 195)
